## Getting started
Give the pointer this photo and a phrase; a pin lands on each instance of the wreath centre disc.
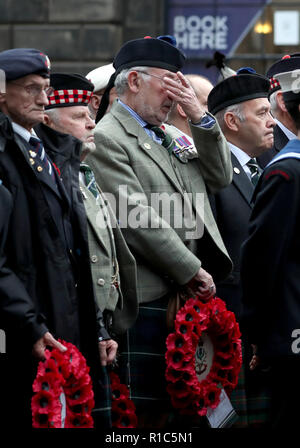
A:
(204, 355)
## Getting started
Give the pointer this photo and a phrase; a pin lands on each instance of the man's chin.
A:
(88, 147)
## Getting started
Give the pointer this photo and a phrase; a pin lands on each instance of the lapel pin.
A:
(236, 170)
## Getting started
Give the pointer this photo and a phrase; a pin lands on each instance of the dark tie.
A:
(254, 170)
(39, 151)
(166, 139)
(89, 179)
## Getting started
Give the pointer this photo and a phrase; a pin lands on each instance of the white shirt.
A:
(242, 157)
(290, 135)
(23, 132)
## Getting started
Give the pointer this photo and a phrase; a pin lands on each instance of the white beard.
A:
(88, 147)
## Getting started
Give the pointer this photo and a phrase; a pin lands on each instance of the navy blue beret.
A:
(236, 89)
(19, 62)
(149, 52)
(70, 89)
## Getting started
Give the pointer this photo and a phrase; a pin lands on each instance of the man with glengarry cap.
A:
(136, 161)
(240, 104)
(285, 129)
(270, 268)
(45, 283)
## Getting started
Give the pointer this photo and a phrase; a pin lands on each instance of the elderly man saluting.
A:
(137, 163)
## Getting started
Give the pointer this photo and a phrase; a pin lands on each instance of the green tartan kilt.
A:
(142, 358)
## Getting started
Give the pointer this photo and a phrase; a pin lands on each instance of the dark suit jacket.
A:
(280, 140)
(270, 277)
(232, 208)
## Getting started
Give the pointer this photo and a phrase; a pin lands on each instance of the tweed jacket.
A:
(122, 301)
(137, 171)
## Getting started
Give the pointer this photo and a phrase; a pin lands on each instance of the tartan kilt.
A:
(102, 395)
(142, 367)
(142, 358)
(251, 398)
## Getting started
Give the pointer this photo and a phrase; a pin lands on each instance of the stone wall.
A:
(78, 35)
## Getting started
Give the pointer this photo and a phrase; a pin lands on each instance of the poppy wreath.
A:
(62, 377)
(122, 407)
(191, 393)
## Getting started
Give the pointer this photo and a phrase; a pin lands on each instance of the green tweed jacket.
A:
(125, 304)
(168, 244)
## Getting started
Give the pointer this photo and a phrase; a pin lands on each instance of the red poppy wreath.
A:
(203, 356)
(122, 407)
(63, 395)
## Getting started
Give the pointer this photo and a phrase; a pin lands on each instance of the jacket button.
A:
(101, 282)
(94, 258)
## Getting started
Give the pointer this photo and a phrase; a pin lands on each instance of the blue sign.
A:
(202, 27)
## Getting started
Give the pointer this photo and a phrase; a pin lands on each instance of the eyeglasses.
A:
(35, 90)
(154, 76)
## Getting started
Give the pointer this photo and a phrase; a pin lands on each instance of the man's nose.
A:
(90, 124)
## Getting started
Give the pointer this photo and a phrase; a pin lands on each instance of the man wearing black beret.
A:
(136, 162)
(270, 277)
(46, 287)
(240, 104)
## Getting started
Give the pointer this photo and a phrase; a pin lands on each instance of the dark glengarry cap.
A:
(69, 90)
(286, 64)
(149, 52)
(236, 89)
(19, 62)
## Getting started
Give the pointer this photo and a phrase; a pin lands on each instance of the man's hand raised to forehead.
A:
(181, 91)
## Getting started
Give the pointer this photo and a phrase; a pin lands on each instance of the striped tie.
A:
(38, 148)
(89, 179)
(254, 170)
(166, 139)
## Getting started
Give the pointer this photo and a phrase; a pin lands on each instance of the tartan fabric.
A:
(142, 367)
(274, 85)
(102, 396)
(70, 96)
(251, 398)
(142, 357)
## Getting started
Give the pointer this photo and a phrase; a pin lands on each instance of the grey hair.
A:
(273, 101)
(237, 109)
(121, 81)
(53, 114)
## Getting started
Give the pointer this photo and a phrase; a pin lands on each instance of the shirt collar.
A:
(24, 133)
(242, 157)
(133, 113)
(290, 135)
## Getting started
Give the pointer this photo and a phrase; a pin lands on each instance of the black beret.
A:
(285, 64)
(69, 90)
(236, 89)
(149, 52)
(19, 62)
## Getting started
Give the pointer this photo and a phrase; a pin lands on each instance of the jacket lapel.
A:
(146, 143)
(241, 180)
(89, 204)
(39, 171)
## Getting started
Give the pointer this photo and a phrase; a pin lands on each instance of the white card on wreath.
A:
(223, 415)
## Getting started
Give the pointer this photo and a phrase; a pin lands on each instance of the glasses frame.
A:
(154, 76)
(34, 90)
